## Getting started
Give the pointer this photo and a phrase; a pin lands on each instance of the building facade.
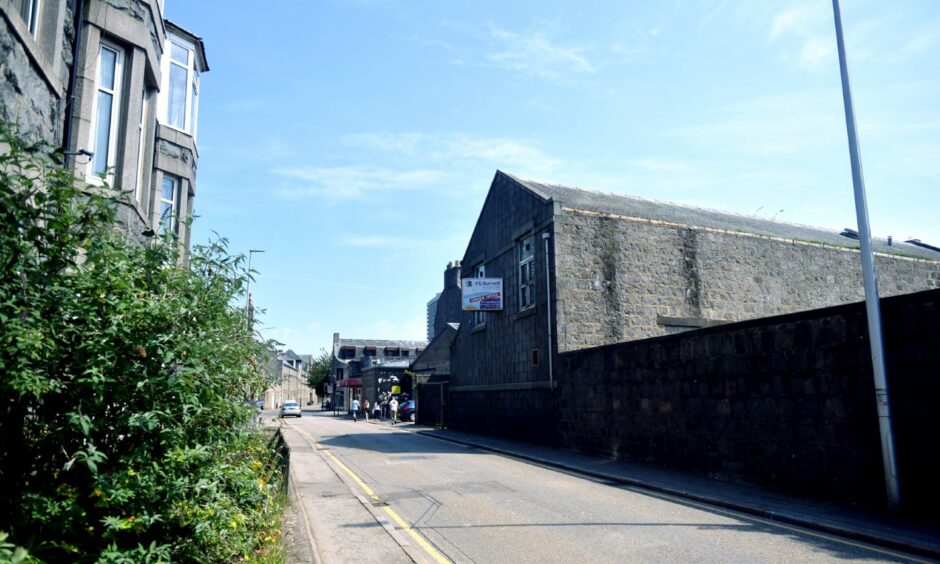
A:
(352, 356)
(116, 86)
(290, 372)
(582, 269)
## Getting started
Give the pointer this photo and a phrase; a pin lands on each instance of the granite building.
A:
(116, 86)
(352, 357)
(582, 269)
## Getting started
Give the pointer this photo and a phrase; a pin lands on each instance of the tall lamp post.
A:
(248, 309)
(868, 276)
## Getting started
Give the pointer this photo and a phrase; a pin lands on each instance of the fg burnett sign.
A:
(482, 294)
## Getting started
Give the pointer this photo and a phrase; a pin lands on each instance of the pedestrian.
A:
(365, 410)
(393, 409)
(377, 410)
(355, 409)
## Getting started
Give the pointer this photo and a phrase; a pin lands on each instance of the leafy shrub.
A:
(123, 431)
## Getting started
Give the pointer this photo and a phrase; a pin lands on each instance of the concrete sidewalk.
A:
(326, 520)
(916, 538)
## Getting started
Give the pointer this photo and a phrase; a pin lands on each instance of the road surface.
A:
(468, 505)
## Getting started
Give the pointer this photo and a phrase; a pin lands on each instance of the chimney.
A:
(452, 275)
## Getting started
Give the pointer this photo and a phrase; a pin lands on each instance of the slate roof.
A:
(591, 200)
(382, 343)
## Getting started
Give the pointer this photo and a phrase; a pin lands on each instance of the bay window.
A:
(169, 204)
(180, 93)
(107, 110)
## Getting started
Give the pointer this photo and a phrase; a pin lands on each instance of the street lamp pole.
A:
(251, 252)
(868, 276)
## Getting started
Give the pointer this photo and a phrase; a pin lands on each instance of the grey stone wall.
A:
(31, 93)
(616, 277)
(786, 402)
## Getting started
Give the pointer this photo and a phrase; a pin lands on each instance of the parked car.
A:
(260, 404)
(406, 411)
(290, 409)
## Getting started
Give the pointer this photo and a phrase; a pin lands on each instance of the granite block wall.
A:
(785, 402)
(617, 278)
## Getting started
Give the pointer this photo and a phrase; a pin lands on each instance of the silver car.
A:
(290, 409)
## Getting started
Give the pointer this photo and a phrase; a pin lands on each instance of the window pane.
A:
(102, 133)
(176, 105)
(179, 53)
(169, 189)
(108, 63)
(166, 211)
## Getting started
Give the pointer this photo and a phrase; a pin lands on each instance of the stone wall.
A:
(32, 92)
(621, 279)
(785, 402)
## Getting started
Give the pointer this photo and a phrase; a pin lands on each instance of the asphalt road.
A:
(475, 506)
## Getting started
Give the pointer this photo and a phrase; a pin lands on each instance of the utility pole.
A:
(248, 305)
(868, 275)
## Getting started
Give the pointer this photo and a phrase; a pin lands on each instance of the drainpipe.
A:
(548, 308)
(73, 78)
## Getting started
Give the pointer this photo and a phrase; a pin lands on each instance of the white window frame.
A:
(141, 145)
(173, 218)
(116, 103)
(191, 94)
(29, 11)
(479, 317)
(526, 274)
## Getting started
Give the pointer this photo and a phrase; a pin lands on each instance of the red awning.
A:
(350, 383)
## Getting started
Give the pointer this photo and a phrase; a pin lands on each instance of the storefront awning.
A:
(350, 383)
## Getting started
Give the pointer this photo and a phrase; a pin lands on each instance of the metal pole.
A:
(248, 285)
(868, 275)
(548, 309)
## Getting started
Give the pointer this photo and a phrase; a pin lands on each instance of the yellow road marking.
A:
(416, 536)
(437, 556)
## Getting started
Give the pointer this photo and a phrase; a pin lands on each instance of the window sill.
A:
(527, 312)
(478, 328)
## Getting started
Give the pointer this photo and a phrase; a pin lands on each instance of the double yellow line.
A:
(422, 542)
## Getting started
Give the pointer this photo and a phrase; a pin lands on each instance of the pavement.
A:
(319, 489)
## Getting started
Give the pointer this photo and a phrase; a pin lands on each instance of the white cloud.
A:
(805, 36)
(817, 53)
(349, 182)
(536, 55)
(384, 241)
(787, 123)
(458, 151)
(796, 20)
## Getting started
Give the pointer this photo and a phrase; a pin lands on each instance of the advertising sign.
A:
(482, 294)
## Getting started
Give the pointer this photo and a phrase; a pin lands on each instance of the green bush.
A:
(124, 435)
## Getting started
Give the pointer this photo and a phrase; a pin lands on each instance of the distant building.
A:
(432, 313)
(291, 372)
(352, 356)
(582, 269)
(120, 97)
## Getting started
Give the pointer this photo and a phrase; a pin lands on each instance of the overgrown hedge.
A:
(123, 431)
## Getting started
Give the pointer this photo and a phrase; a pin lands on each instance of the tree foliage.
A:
(318, 371)
(123, 431)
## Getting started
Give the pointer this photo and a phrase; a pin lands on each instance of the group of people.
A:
(376, 409)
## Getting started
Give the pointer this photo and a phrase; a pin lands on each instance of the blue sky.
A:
(355, 140)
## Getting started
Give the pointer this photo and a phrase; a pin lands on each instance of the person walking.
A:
(355, 409)
(377, 411)
(393, 409)
(365, 410)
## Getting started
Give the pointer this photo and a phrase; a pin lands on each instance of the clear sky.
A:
(355, 140)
